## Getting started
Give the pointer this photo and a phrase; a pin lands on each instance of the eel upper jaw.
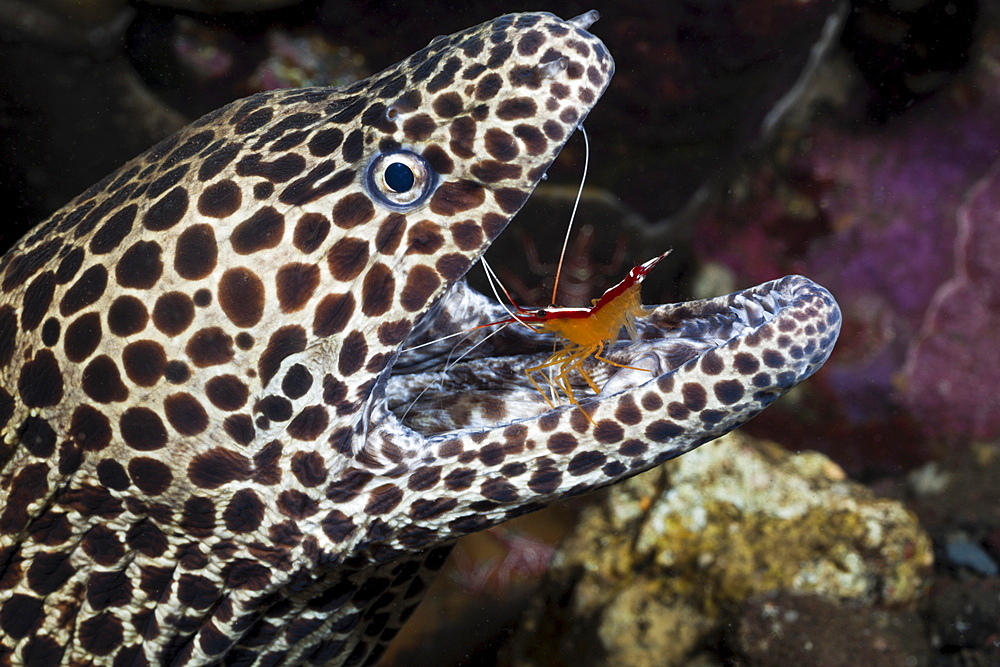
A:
(477, 381)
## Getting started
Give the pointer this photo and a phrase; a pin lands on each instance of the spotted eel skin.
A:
(209, 371)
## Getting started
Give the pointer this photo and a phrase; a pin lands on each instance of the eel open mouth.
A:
(768, 338)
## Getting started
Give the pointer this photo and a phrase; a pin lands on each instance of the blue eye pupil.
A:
(398, 177)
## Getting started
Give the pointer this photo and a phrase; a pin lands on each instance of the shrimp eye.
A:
(401, 180)
(541, 314)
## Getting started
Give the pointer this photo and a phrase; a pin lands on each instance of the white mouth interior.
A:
(477, 379)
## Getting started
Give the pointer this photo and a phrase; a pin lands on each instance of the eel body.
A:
(221, 444)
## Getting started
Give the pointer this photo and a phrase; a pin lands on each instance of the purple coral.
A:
(953, 368)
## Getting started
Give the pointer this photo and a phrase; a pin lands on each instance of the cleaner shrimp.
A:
(584, 332)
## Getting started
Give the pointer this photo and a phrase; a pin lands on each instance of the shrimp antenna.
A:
(451, 364)
(491, 277)
(436, 340)
(494, 280)
(572, 216)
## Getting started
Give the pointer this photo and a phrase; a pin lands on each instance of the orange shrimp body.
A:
(585, 331)
(602, 323)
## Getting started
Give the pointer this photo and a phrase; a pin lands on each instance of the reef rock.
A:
(653, 572)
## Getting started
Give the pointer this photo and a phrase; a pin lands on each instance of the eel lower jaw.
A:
(475, 378)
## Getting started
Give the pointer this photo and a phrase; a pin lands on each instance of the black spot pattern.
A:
(285, 341)
(82, 337)
(185, 414)
(85, 291)
(210, 346)
(227, 392)
(151, 476)
(144, 362)
(296, 284)
(142, 429)
(111, 233)
(127, 316)
(166, 211)
(310, 232)
(173, 313)
(220, 200)
(261, 231)
(197, 253)
(40, 382)
(140, 266)
(241, 295)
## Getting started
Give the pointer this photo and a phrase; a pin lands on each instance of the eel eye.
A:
(401, 180)
(399, 177)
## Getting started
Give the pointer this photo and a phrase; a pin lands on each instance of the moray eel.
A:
(207, 356)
